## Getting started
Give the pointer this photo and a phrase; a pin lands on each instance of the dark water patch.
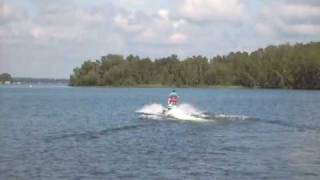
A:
(310, 174)
(235, 149)
(227, 119)
(93, 135)
(296, 126)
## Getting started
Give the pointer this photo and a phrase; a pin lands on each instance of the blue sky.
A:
(45, 38)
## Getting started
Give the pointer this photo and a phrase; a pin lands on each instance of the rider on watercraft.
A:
(173, 98)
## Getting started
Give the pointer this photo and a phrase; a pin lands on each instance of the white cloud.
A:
(178, 38)
(264, 29)
(157, 28)
(289, 18)
(125, 24)
(4, 9)
(148, 34)
(45, 34)
(51, 24)
(303, 29)
(292, 11)
(179, 23)
(213, 10)
(9, 14)
(164, 14)
(37, 32)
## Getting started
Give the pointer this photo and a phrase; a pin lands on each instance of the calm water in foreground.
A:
(94, 133)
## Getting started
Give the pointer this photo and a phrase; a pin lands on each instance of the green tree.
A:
(5, 77)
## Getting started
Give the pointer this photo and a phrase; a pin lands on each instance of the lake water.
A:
(57, 132)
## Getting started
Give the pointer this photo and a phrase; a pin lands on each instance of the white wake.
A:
(182, 112)
(187, 112)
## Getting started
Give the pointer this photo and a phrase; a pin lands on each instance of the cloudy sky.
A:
(48, 38)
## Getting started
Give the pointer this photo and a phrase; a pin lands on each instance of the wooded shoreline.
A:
(285, 66)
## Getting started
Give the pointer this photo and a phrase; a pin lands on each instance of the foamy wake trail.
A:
(151, 109)
(232, 117)
(181, 112)
(186, 112)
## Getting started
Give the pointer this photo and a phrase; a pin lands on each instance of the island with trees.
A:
(283, 66)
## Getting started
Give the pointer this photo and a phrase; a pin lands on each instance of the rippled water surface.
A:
(51, 132)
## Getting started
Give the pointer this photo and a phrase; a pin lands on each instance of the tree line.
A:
(284, 66)
(5, 77)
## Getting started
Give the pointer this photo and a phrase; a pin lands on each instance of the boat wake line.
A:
(184, 112)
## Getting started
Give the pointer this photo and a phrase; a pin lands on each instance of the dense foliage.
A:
(284, 66)
(5, 77)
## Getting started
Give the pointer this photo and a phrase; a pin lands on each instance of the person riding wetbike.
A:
(173, 99)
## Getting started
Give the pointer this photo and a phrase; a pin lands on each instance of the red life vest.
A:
(173, 100)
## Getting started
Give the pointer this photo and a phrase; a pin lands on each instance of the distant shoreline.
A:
(151, 86)
(194, 87)
(165, 86)
(191, 87)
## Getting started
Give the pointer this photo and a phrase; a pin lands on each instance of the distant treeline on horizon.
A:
(26, 80)
(39, 80)
(283, 66)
